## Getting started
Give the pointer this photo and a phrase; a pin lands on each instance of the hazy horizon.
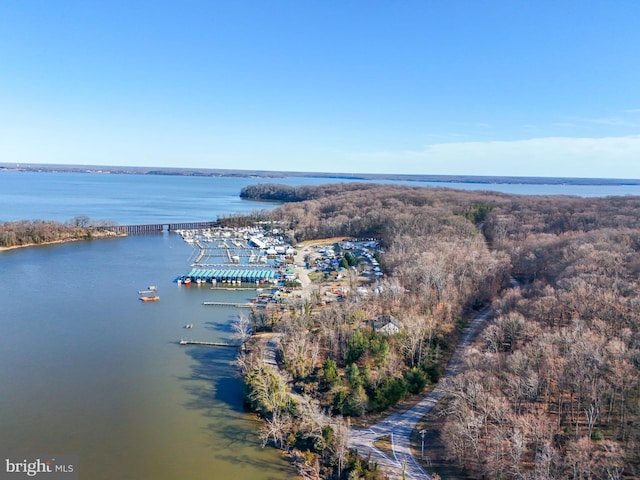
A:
(168, 170)
(544, 89)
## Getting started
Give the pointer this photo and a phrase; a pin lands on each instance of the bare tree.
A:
(341, 443)
(276, 428)
(241, 327)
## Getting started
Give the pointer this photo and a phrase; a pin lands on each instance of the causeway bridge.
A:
(158, 227)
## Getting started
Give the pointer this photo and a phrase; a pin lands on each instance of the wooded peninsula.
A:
(551, 388)
(25, 233)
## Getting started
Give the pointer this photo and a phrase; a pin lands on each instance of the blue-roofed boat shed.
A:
(219, 275)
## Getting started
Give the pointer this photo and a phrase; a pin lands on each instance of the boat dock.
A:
(229, 304)
(209, 344)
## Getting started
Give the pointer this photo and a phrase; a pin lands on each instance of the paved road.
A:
(400, 425)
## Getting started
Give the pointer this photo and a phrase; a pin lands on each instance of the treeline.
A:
(553, 390)
(34, 232)
(438, 267)
(286, 193)
(317, 442)
(383, 211)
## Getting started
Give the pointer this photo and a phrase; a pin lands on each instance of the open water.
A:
(163, 198)
(87, 369)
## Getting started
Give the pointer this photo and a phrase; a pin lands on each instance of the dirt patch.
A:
(259, 340)
(384, 445)
(321, 241)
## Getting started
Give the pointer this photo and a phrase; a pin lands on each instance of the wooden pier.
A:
(158, 227)
(209, 344)
(230, 304)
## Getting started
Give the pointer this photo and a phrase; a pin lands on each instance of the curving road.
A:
(400, 425)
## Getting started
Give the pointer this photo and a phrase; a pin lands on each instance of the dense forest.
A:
(551, 389)
(35, 232)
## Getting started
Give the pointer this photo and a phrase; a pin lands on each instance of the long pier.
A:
(209, 344)
(158, 227)
(229, 304)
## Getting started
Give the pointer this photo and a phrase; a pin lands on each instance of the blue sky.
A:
(544, 88)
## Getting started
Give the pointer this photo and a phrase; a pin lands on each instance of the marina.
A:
(236, 257)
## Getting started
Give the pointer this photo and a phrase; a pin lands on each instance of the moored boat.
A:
(153, 298)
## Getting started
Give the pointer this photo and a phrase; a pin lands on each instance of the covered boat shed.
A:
(222, 274)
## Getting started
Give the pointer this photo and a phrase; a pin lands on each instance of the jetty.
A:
(229, 304)
(209, 344)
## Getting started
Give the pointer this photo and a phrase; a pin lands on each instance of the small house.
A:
(386, 324)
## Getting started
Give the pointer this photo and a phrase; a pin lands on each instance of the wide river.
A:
(87, 369)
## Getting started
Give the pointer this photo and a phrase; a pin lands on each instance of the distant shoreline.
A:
(210, 172)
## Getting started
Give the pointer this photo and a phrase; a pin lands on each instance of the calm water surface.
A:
(121, 198)
(88, 369)
(163, 198)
